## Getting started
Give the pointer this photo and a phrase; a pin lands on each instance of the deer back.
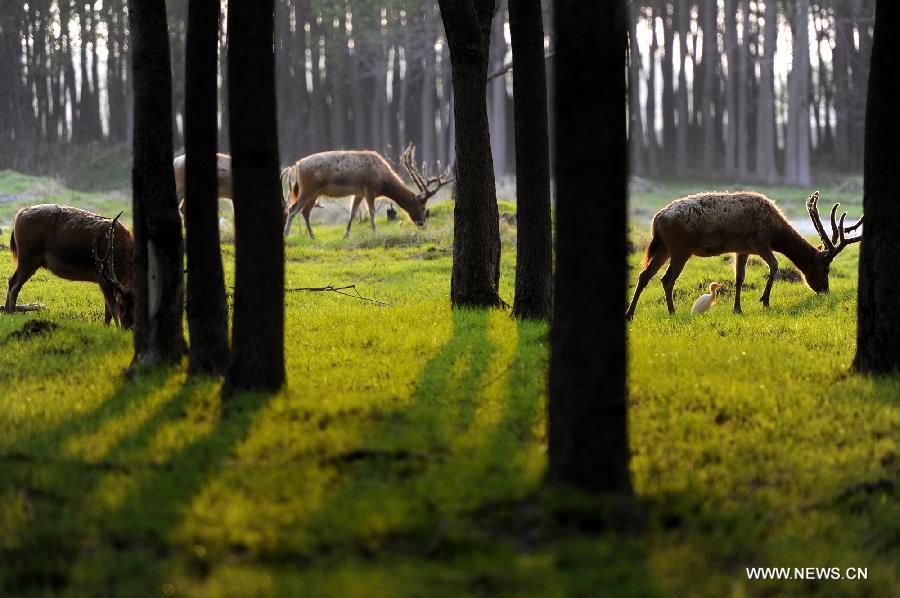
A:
(61, 239)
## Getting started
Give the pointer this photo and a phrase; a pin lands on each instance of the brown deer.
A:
(75, 245)
(745, 223)
(362, 174)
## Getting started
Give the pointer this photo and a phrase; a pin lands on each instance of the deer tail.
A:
(655, 244)
(12, 246)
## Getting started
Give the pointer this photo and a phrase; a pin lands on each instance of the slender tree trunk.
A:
(588, 439)
(635, 124)
(476, 234)
(207, 310)
(742, 75)
(668, 93)
(497, 88)
(796, 170)
(843, 39)
(765, 113)
(257, 356)
(159, 263)
(650, 119)
(878, 304)
(710, 96)
(533, 242)
(731, 89)
(427, 107)
(681, 160)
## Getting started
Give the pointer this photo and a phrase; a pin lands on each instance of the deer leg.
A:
(357, 199)
(292, 211)
(306, 210)
(676, 265)
(767, 255)
(740, 265)
(110, 306)
(22, 274)
(656, 262)
(370, 201)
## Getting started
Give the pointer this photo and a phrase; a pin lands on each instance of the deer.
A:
(223, 167)
(745, 223)
(75, 245)
(223, 170)
(363, 174)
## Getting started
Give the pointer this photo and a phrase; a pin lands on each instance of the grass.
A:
(405, 455)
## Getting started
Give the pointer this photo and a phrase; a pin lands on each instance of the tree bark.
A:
(159, 264)
(257, 356)
(476, 234)
(765, 112)
(207, 309)
(635, 122)
(797, 143)
(742, 76)
(533, 242)
(588, 440)
(878, 302)
(731, 89)
(681, 97)
(710, 96)
(498, 91)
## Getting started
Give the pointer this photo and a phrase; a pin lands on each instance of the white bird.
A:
(704, 302)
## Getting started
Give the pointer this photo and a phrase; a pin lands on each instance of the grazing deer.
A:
(362, 174)
(223, 168)
(68, 242)
(745, 223)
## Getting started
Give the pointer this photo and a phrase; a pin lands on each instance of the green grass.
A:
(405, 455)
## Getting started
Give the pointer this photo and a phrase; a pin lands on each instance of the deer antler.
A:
(408, 159)
(105, 264)
(813, 209)
(838, 241)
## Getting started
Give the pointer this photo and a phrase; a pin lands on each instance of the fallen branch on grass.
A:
(341, 290)
(23, 307)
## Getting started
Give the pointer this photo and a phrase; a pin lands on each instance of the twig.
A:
(342, 290)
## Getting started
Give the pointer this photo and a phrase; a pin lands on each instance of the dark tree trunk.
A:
(533, 243)
(588, 440)
(207, 310)
(878, 307)
(257, 356)
(476, 233)
(159, 263)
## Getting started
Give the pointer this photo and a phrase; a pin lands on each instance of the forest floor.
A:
(405, 455)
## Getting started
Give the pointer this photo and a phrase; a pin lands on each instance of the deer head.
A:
(831, 246)
(107, 270)
(427, 186)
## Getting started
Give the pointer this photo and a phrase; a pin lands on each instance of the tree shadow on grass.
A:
(102, 521)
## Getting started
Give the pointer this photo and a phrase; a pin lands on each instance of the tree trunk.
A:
(650, 119)
(207, 310)
(257, 356)
(843, 40)
(668, 93)
(765, 114)
(533, 243)
(498, 91)
(796, 169)
(635, 124)
(427, 107)
(731, 89)
(588, 439)
(710, 96)
(681, 158)
(878, 304)
(742, 78)
(476, 233)
(158, 250)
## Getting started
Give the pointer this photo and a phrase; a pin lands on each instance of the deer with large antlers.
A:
(363, 175)
(744, 223)
(75, 245)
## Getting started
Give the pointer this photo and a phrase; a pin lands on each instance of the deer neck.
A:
(402, 195)
(793, 246)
